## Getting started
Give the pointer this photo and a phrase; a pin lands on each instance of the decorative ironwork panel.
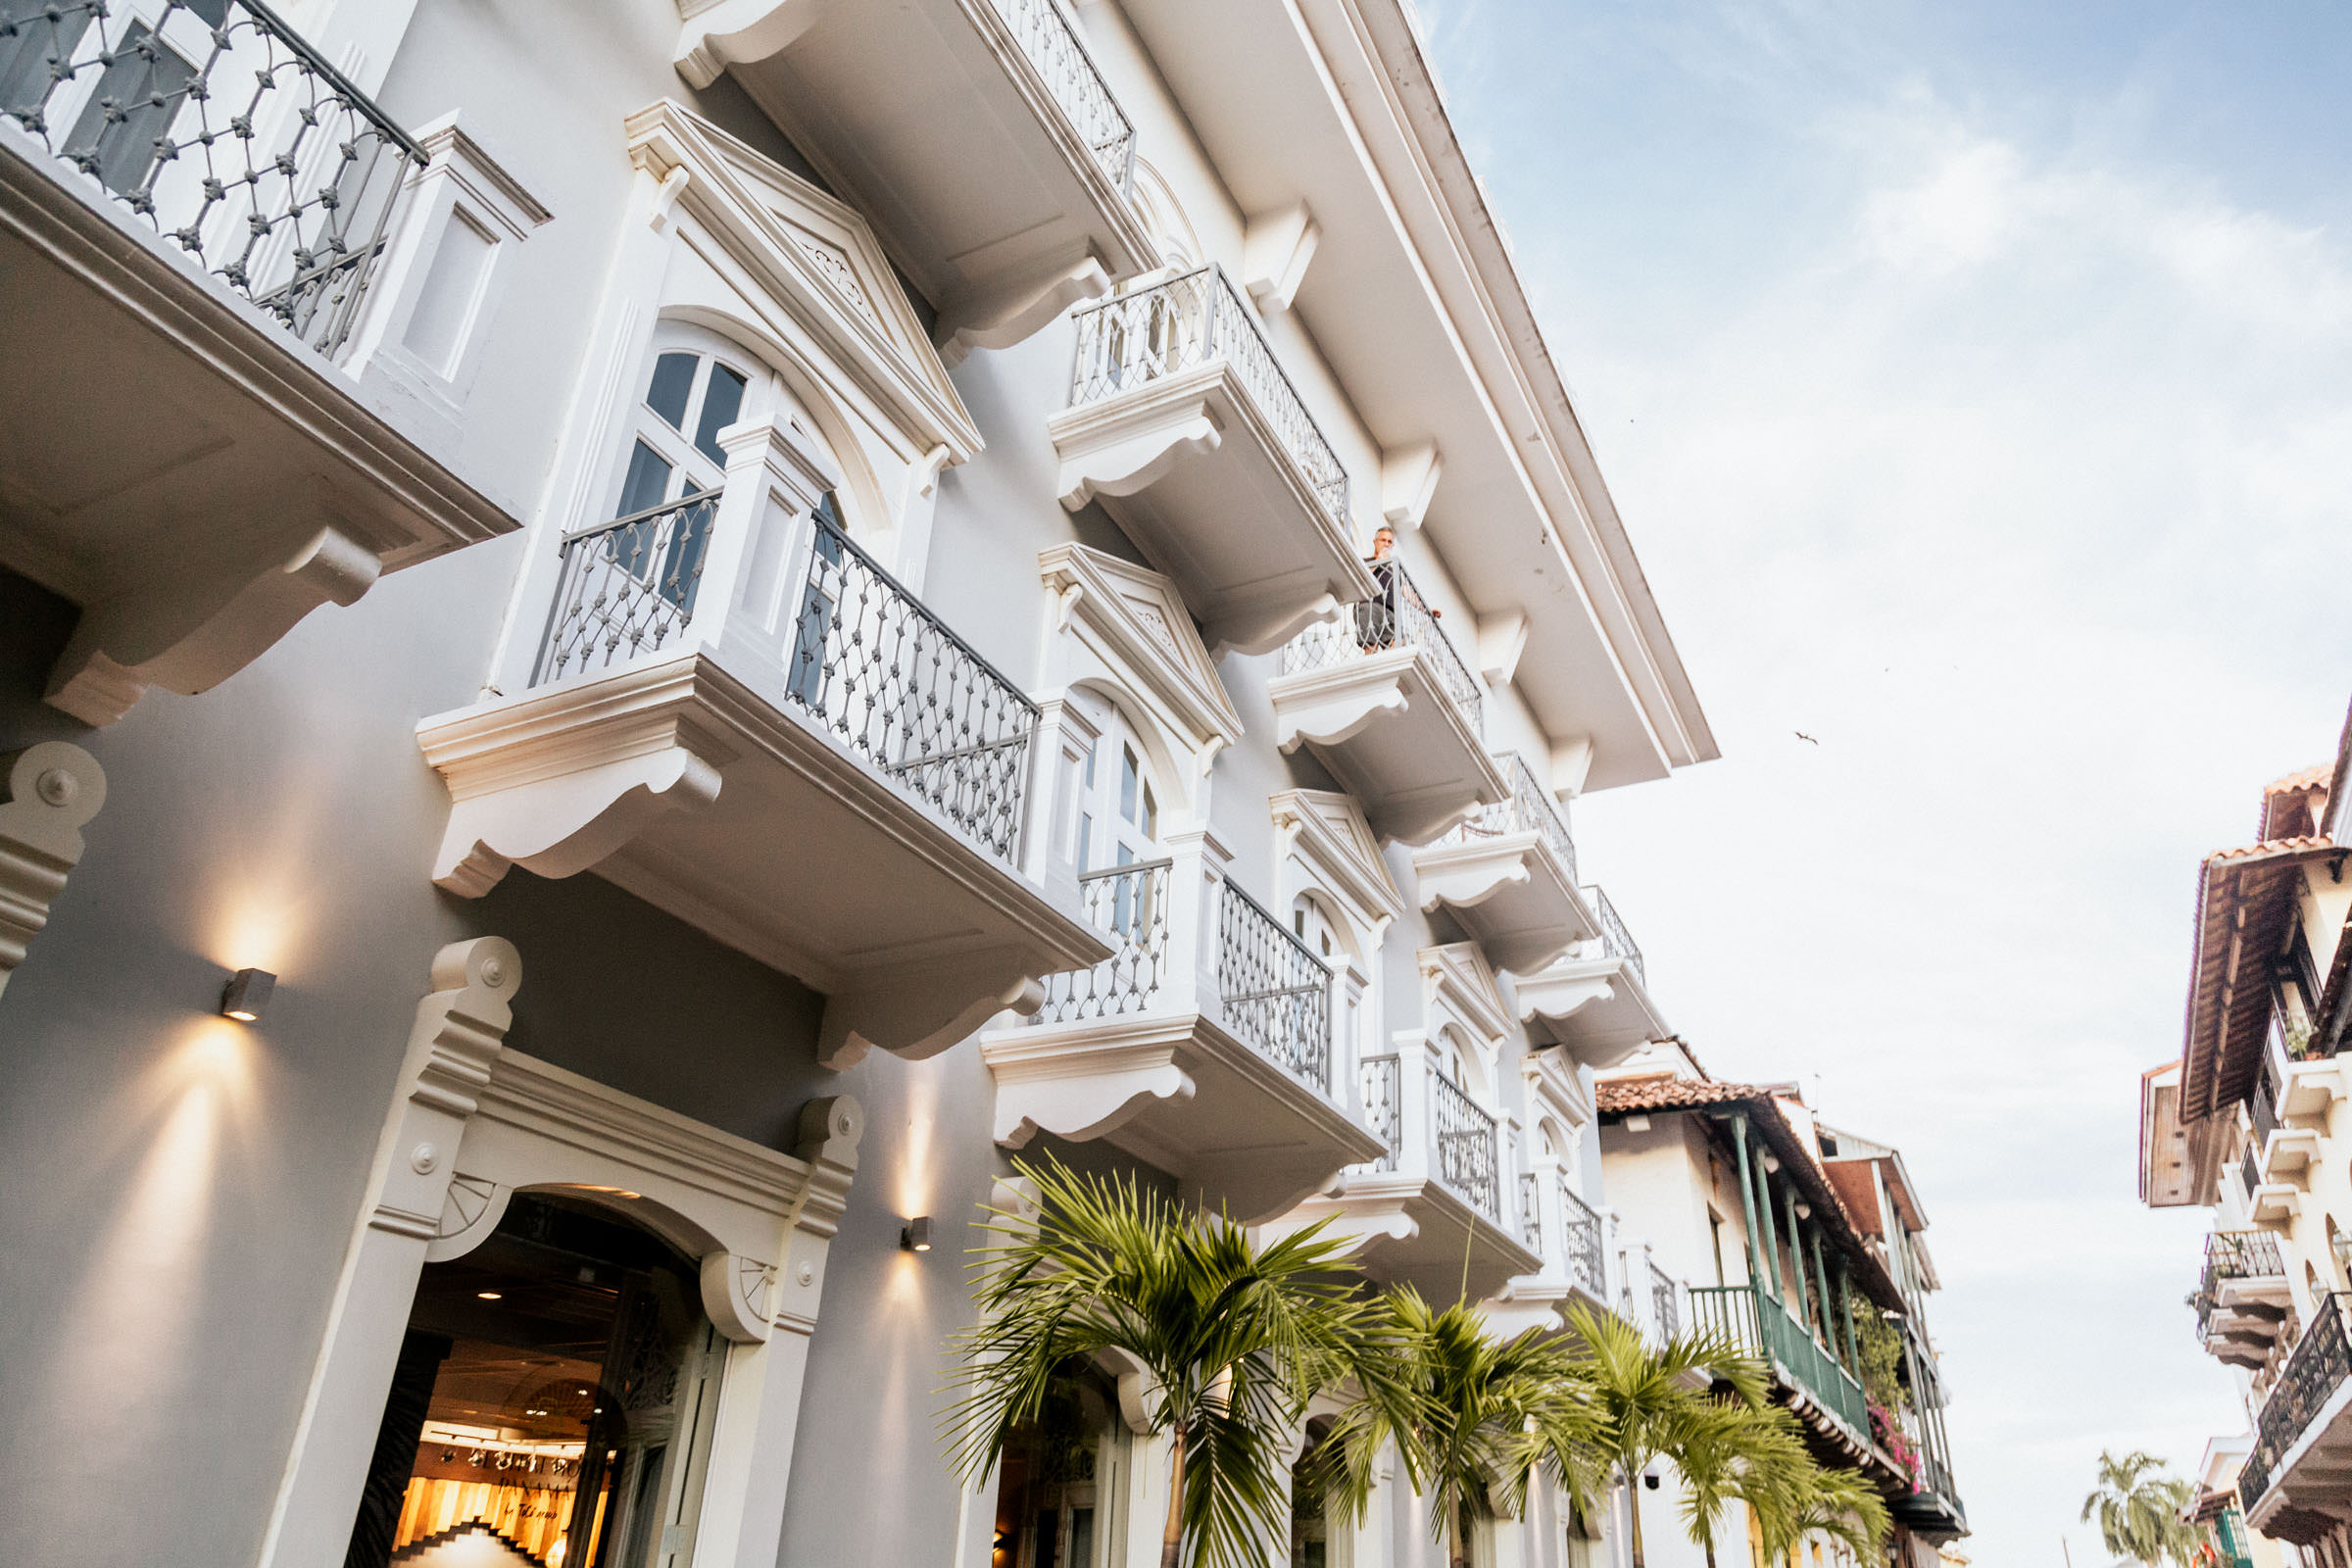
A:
(626, 587)
(1582, 1243)
(1615, 940)
(1277, 994)
(2234, 1256)
(888, 678)
(1469, 1155)
(1662, 1304)
(1397, 616)
(216, 123)
(1382, 1082)
(1060, 56)
(1129, 904)
(1529, 810)
(1131, 340)
(1531, 1211)
(2317, 1367)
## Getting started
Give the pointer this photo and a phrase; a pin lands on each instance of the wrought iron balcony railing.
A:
(1381, 1080)
(214, 123)
(1196, 319)
(868, 662)
(1129, 904)
(1662, 1303)
(1754, 1320)
(1582, 1244)
(2317, 1367)
(2234, 1256)
(1059, 55)
(1615, 940)
(1277, 994)
(1397, 617)
(1529, 810)
(1467, 1153)
(1531, 1211)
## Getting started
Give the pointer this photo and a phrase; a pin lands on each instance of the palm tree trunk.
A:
(1457, 1552)
(1633, 1514)
(1171, 1540)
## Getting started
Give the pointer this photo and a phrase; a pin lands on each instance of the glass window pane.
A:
(30, 57)
(122, 151)
(648, 483)
(1151, 814)
(722, 406)
(1129, 779)
(674, 384)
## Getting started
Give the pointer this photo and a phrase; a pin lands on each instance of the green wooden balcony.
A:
(1750, 1318)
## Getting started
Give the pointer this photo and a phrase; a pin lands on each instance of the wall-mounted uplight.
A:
(246, 995)
(1772, 1162)
(1804, 1212)
(916, 1237)
(1637, 1124)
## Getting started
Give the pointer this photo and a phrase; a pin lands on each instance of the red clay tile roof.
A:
(2310, 777)
(1635, 1096)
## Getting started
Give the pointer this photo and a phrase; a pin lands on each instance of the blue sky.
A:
(1977, 382)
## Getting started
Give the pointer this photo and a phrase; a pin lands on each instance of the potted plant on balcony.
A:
(1232, 1338)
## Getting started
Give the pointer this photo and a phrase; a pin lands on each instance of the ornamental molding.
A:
(1130, 623)
(1458, 981)
(54, 790)
(811, 255)
(1326, 833)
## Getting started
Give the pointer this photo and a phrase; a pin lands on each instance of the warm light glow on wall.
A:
(123, 1339)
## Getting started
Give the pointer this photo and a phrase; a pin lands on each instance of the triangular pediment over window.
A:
(1136, 623)
(779, 237)
(1327, 831)
(1457, 981)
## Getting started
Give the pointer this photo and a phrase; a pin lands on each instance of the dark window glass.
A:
(122, 151)
(648, 483)
(674, 384)
(36, 52)
(722, 406)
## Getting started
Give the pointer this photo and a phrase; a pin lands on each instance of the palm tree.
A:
(1232, 1339)
(1657, 1404)
(1757, 1456)
(2139, 1514)
(1481, 1416)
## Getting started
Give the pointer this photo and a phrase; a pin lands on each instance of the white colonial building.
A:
(640, 638)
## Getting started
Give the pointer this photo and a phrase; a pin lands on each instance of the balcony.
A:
(1822, 1389)
(1594, 1002)
(2311, 1086)
(1202, 1046)
(742, 718)
(2295, 1482)
(1184, 426)
(2242, 1298)
(1432, 1209)
(1508, 874)
(193, 213)
(977, 135)
(2286, 1152)
(1382, 700)
(1567, 1234)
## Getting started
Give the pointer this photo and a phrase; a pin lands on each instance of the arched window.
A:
(1118, 804)
(1059, 1482)
(555, 1388)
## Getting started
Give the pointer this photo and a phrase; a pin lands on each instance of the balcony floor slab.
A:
(1511, 892)
(1414, 1229)
(1385, 728)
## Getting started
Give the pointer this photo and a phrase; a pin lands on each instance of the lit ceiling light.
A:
(488, 1296)
(247, 994)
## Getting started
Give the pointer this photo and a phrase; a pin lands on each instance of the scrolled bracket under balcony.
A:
(1382, 700)
(744, 720)
(978, 136)
(1595, 1000)
(185, 462)
(1508, 874)
(1184, 426)
(1201, 1047)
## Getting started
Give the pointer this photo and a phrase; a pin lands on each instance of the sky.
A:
(1976, 382)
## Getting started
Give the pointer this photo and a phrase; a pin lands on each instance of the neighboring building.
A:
(1035, 552)
(2222, 1539)
(2246, 1123)
(1806, 1244)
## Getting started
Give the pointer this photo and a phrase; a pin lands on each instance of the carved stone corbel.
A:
(1012, 312)
(54, 789)
(460, 1033)
(735, 33)
(188, 630)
